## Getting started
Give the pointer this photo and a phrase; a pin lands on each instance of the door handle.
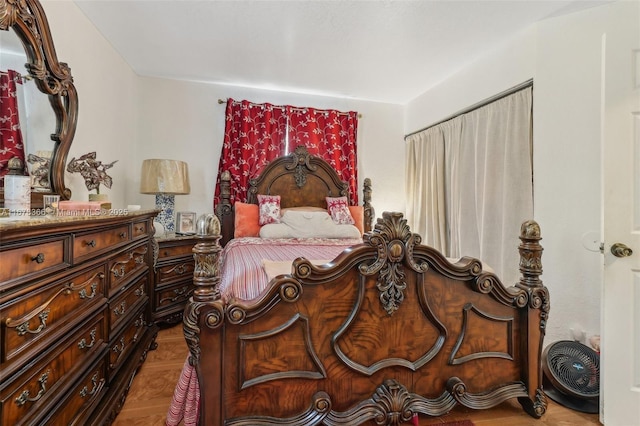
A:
(620, 250)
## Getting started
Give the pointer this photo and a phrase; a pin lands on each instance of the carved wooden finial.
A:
(530, 255)
(369, 212)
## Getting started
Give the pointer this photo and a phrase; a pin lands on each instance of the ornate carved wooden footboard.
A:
(388, 330)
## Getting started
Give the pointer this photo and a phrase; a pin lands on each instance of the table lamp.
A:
(165, 178)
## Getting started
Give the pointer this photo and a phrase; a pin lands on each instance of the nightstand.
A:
(173, 277)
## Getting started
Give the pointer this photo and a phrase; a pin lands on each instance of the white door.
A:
(620, 350)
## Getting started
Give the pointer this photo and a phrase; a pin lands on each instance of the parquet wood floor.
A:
(152, 390)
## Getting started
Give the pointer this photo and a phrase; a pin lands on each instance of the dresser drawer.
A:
(32, 392)
(122, 306)
(35, 258)
(125, 342)
(139, 229)
(174, 271)
(50, 310)
(125, 266)
(82, 400)
(92, 244)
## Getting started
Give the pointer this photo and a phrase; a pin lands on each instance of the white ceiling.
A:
(387, 51)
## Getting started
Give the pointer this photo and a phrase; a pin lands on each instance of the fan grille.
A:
(576, 367)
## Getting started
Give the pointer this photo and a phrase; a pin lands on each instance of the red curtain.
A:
(255, 134)
(330, 135)
(252, 137)
(11, 144)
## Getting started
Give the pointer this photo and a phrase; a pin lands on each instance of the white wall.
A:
(107, 93)
(183, 120)
(562, 55)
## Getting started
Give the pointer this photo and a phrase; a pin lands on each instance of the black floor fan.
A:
(571, 375)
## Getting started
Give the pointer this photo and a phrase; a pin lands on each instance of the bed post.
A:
(203, 312)
(224, 208)
(369, 212)
(535, 321)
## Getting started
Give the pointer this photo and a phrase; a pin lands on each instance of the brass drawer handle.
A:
(118, 350)
(139, 228)
(179, 294)
(24, 396)
(123, 235)
(97, 386)
(82, 344)
(91, 243)
(39, 258)
(120, 311)
(139, 291)
(23, 328)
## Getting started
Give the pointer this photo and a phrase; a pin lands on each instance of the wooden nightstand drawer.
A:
(88, 245)
(167, 252)
(177, 294)
(22, 262)
(174, 272)
(31, 393)
(49, 310)
(122, 306)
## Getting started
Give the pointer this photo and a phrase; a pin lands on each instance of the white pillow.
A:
(308, 224)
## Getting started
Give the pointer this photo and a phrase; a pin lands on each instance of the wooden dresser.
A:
(75, 316)
(173, 283)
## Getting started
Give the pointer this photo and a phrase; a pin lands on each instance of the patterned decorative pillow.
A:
(339, 210)
(269, 206)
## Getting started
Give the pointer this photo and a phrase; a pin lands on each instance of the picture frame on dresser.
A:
(186, 223)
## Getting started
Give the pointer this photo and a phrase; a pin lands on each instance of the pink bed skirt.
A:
(186, 398)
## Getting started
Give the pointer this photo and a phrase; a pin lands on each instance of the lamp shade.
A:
(164, 177)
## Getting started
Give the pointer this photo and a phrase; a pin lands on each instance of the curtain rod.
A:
(224, 101)
(528, 83)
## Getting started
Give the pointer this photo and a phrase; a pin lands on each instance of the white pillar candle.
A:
(17, 195)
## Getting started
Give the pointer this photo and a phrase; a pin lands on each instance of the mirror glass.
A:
(37, 119)
(49, 110)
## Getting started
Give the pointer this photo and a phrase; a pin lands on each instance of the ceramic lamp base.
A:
(166, 204)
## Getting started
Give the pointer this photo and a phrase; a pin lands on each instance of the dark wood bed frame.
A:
(388, 330)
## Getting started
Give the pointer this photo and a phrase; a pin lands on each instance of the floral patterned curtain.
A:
(255, 134)
(11, 144)
(330, 135)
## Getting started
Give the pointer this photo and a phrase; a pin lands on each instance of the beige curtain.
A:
(469, 183)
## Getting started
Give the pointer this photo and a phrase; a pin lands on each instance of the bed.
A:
(387, 332)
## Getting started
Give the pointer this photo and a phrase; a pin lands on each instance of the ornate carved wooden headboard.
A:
(301, 179)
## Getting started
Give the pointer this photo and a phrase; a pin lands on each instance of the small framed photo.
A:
(186, 223)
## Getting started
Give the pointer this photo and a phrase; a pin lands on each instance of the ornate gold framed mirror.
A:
(26, 18)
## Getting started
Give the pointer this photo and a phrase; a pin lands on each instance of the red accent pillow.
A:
(269, 208)
(339, 210)
(246, 220)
